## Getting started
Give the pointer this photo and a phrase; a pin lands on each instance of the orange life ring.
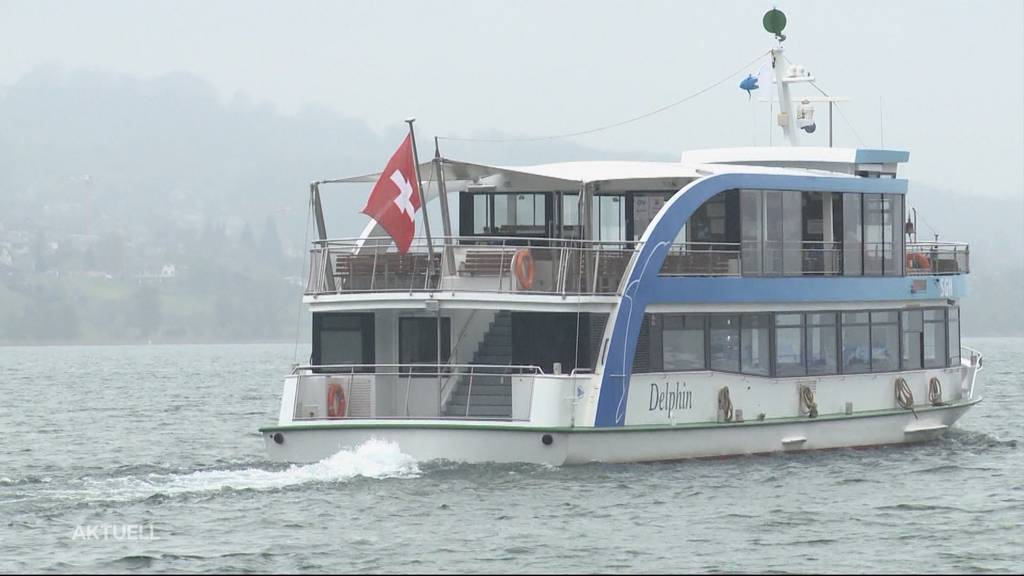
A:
(918, 261)
(335, 401)
(522, 265)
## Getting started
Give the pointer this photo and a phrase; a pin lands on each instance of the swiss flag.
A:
(396, 197)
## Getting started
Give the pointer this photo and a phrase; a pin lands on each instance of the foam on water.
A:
(372, 459)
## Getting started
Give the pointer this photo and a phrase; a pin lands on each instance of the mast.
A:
(786, 117)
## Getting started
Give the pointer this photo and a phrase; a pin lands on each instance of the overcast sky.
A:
(947, 77)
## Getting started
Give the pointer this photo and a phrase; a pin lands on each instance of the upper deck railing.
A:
(564, 266)
(481, 264)
(925, 258)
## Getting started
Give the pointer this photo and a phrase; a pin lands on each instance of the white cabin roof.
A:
(842, 160)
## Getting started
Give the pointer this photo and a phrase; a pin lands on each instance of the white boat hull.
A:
(484, 442)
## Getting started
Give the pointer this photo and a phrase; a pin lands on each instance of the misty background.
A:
(155, 157)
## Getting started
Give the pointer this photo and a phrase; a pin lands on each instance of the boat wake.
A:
(373, 459)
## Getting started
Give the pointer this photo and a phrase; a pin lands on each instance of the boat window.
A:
(751, 231)
(954, 337)
(610, 218)
(481, 212)
(856, 336)
(716, 224)
(756, 349)
(342, 339)
(895, 264)
(646, 206)
(821, 344)
(885, 342)
(873, 234)
(789, 352)
(569, 215)
(417, 342)
(913, 334)
(682, 342)
(934, 338)
(852, 235)
(724, 342)
(524, 214)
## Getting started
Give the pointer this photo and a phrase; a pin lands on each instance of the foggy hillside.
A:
(152, 210)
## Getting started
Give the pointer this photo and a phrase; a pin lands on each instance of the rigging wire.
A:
(841, 113)
(615, 124)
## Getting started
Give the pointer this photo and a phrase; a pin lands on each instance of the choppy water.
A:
(158, 446)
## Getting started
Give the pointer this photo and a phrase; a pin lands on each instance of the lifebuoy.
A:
(523, 267)
(335, 401)
(918, 261)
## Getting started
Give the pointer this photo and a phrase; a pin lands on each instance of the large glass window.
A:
(954, 337)
(756, 347)
(789, 353)
(873, 234)
(913, 335)
(570, 215)
(885, 342)
(853, 244)
(724, 341)
(934, 338)
(417, 341)
(342, 339)
(682, 342)
(792, 233)
(895, 267)
(821, 343)
(856, 336)
(751, 228)
(610, 218)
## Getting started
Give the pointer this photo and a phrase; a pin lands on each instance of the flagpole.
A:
(423, 200)
(446, 219)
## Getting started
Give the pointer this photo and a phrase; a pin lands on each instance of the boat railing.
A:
(481, 264)
(938, 258)
(572, 266)
(414, 391)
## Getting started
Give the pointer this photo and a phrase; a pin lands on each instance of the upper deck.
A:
(576, 228)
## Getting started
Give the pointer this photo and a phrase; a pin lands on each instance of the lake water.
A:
(148, 458)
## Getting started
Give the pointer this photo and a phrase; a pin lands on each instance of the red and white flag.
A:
(396, 197)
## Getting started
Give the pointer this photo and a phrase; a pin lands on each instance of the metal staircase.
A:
(487, 394)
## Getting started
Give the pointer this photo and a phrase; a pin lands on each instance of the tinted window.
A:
(683, 342)
(913, 329)
(417, 341)
(821, 344)
(934, 338)
(954, 337)
(724, 338)
(885, 342)
(756, 355)
(789, 354)
(856, 336)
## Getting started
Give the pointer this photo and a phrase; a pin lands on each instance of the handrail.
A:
(404, 369)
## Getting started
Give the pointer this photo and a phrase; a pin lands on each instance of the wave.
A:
(373, 459)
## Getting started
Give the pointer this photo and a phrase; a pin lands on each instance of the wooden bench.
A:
(385, 271)
(484, 262)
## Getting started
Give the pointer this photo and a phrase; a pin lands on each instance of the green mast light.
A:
(775, 22)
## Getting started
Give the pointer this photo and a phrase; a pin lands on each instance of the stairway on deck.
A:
(490, 395)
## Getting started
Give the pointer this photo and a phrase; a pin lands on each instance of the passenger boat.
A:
(739, 301)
